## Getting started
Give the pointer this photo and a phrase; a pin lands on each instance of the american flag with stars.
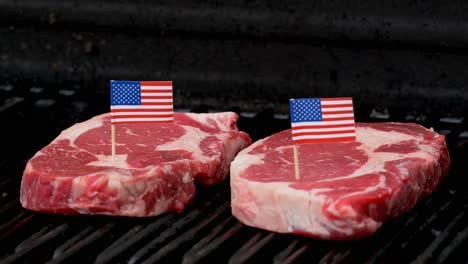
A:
(141, 102)
(315, 120)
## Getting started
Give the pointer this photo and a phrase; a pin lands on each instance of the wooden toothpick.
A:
(113, 142)
(296, 162)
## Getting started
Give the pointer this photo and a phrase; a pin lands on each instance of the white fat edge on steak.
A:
(350, 212)
(194, 136)
(376, 160)
(73, 132)
(129, 188)
(79, 184)
(244, 159)
(190, 141)
(220, 119)
(290, 218)
(279, 196)
(80, 187)
(223, 122)
(107, 161)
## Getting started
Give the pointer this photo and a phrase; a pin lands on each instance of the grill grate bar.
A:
(407, 230)
(70, 242)
(117, 247)
(461, 237)
(207, 239)
(213, 245)
(35, 241)
(83, 243)
(235, 258)
(341, 256)
(187, 236)
(450, 229)
(252, 247)
(10, 227)
(32, 238)
(328, 257)
(282, 255)
(166, 234)
(426, 223)
(297, 253)
(134, 238)
(334, 256)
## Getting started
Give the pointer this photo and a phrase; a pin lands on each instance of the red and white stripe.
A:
(337, 123)
(156, 105)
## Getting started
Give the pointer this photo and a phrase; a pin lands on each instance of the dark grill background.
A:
(401, 61)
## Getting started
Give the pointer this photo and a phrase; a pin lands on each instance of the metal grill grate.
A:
(435, 231)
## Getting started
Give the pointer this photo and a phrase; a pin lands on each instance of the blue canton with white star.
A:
(125, 93)
(305, 110)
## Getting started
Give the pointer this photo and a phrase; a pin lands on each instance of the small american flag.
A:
(141, 101)
(315, 120)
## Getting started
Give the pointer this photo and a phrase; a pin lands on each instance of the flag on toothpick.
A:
(141, 101)
(320, 120)
(316, 120)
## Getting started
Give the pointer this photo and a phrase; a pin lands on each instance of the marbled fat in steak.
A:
(154, 170)
(347, 189)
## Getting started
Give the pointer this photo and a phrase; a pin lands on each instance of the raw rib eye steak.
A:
(154, 170)
(347, 190)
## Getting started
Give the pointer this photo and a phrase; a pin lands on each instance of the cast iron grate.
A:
(206, 232)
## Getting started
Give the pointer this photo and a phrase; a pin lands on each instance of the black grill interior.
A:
(435, 230)
(401, 61)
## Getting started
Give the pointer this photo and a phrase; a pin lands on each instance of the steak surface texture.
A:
(346, 189)
(154, 170)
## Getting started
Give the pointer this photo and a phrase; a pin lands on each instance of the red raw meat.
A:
(154, 171)
(347, 189)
